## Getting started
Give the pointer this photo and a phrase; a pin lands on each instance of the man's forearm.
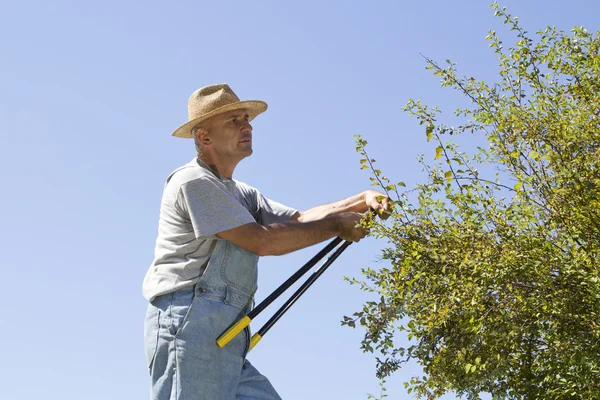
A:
(282, 238)
(354, 203)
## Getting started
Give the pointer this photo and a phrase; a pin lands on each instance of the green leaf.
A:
(438, 152)
(429, 132)
(518, 186)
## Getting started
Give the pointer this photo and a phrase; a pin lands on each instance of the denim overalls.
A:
(181, 329)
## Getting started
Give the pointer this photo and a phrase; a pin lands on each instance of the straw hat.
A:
(212, 100)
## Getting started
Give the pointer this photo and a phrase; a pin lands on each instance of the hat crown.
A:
(209, 98)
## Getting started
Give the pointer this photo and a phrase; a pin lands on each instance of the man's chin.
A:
(247, 152)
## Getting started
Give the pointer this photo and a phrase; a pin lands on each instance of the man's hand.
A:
(379, 202)
(348, 226)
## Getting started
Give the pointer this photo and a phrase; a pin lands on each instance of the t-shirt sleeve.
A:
(272, 211)
(211, 208)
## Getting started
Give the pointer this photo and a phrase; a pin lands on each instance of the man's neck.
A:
(219, 167)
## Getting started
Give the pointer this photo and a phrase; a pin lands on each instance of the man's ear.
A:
(202, 135)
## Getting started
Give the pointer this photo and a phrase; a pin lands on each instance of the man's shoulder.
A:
(246, 189)
(188, 173)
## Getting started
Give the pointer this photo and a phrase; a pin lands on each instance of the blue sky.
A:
(89, 94)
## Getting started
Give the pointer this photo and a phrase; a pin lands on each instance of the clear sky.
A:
(89, 94)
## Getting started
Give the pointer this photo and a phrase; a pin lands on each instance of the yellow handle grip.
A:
(233, 331)
(254, 340)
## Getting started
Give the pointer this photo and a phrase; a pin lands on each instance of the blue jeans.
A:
(181, 329)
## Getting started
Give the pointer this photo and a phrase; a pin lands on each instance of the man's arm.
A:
(358, 203)
(283, 238)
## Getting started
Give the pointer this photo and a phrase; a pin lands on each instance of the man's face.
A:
(230, 134)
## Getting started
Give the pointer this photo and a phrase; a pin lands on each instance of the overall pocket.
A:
(181, 305)
(240, 269)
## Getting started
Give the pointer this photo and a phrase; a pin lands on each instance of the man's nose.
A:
(246, 127)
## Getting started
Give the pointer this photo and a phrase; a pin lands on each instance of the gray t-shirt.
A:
(196, 205)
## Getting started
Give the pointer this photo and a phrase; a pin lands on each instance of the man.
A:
(212, 229)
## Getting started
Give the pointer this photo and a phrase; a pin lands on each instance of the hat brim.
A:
(254, 107)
